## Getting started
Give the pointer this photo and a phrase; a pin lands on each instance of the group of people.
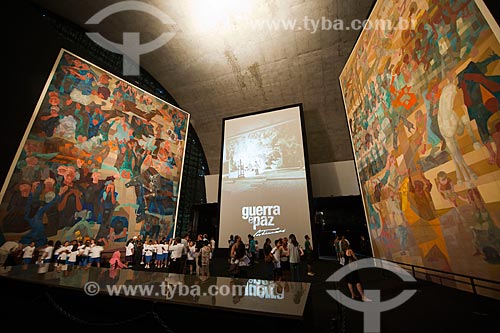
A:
(282, 259)
(180, 255)
(64, 255)
(185, 256)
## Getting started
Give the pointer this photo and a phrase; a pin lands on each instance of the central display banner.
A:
(264, 187)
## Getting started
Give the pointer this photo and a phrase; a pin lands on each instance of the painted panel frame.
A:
(421, 93)
(100, 159)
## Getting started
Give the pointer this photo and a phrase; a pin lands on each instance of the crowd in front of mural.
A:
(422, 107)
(177, 254)
(282, 258)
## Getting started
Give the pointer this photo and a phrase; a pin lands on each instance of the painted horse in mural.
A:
(450, 124)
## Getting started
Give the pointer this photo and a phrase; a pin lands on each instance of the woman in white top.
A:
(47, 252)
(276, 252)
(129, 252)
(191, 257)
(95, 254)
(28, 253)
(73, 253)
(294, 254)
(160, 254)
(62, 256)
(176, 251)
(148, 250)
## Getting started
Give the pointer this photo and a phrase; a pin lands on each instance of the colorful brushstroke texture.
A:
(102, 160)
(422, 106)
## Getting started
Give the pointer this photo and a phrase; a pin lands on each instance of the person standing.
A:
(251, 249)
(295, 252)
(353, 277)
(129, 252)
(48, 250)
(212, 247)
(239, 257)
(147, 252)
(205, 259)
(230, 241)
(268, 258)
(276, 252)
(343, 245)
(285, 259)
(95, 254)
(308, 252)
(336, 247)
(176, 251)
(9, 248)
(138, 257)
(28, 253)
(364, 246)
(191, 258)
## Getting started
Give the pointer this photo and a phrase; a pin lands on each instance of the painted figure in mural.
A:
(71, 198)
(108, 201)
(14, 220)
(431, 101)
(420, 193)
(138, 183)
(481, 97)
(52, 215)
(398, 220)
(118, 229)
(93, 188)
(96, 120)
(451, 125)
(446, 188)
(50, 118)
(124, 159)
(35, 209)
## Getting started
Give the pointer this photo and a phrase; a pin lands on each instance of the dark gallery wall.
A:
(32, 47)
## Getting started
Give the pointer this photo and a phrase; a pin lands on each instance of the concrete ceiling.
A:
(220, 63)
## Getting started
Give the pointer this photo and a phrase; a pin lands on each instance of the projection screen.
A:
(264, 188)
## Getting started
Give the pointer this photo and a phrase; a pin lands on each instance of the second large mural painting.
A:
(423, 110)
(101, 160)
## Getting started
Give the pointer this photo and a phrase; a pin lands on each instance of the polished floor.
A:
(35, 301)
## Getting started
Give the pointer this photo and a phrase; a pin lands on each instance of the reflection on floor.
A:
(274, 298)
(433, 308)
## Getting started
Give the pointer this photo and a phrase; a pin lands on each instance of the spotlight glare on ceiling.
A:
(209, 15)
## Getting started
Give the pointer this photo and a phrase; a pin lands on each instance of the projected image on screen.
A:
(263, 189)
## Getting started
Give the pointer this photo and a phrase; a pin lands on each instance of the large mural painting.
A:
(422, 103)
(101, 159)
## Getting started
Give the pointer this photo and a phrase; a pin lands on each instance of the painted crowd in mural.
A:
(102, 160)
(422, 105)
